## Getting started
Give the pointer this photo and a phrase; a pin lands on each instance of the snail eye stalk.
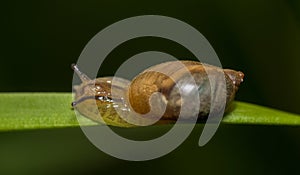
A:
(100, 98)
(81, 75)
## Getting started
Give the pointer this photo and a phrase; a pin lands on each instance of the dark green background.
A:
(40, 39)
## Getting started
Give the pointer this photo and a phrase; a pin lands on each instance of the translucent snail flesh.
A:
(135, 95)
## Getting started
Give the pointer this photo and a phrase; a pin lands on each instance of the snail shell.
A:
(167, 80)
(153, 80)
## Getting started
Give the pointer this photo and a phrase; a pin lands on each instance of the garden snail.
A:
(135, 95)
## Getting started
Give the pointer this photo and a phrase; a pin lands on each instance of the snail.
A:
(156, 92)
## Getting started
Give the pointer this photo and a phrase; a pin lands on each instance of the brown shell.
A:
(153, 80)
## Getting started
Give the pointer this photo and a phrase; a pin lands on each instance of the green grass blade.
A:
(19, 111)
(246, 113)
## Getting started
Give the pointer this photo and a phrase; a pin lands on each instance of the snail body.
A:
(169, 81)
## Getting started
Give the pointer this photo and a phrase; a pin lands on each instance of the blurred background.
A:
(40, 40)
